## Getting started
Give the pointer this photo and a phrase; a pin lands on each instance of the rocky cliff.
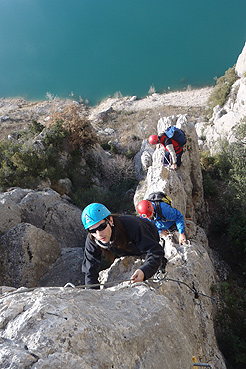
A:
(228, 116)
(49, 320)
(162, 323)
(39, 228)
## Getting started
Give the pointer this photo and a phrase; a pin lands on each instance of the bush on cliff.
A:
(222, 89)
(38, 153)
(67, 148)
(225, 189)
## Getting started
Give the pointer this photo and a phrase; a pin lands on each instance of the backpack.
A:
(158, 197)
(176, 134)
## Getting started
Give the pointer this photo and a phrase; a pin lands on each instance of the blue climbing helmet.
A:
(93, 213)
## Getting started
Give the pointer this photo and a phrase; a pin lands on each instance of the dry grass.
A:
(80, 130)
(118, 169)
(143, 123)
(126, 125)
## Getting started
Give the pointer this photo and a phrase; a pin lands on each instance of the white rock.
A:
(241, 63)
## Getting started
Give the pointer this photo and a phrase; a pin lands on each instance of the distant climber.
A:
(119, 235)
(173, 140)
(164, 216)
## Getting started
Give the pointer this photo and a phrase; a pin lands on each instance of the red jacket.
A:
(165, 141)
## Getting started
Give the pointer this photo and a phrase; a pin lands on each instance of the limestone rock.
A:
(146, 160)
(184, 185)
(15, 194)
(66, 269)
(143, 159)
(27, 252)
(65, 185)
(226, 117)
(10, 215)
(241, 63)
(147, 325)
(46, 210)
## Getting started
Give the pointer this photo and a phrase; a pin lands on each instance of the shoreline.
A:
(184, 98)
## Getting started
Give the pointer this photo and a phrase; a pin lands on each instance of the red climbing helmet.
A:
(153, 139)
(145, 208)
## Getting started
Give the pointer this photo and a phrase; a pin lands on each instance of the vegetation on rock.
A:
(222, 89)
(225, 190)
(67, 148)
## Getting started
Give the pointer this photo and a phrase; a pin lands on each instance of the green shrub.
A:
(222, 89)
(209, 185)
(36, 127)
(227, 172)
(21, 165)
(231, 324)
(57, 153)
(80, 132)
(117, 198)
(207, 161)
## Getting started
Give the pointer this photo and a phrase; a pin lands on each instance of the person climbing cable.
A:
(119, 235)
(173, 140)
(164, 216)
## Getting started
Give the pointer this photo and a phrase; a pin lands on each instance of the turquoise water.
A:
(94, 48)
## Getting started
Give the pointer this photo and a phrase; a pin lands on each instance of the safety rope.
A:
(159, 278)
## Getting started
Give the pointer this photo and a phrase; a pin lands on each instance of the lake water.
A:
(91, 49)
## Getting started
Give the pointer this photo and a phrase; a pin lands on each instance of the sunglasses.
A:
(100, 228)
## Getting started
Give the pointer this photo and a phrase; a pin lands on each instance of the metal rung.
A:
(203, 365)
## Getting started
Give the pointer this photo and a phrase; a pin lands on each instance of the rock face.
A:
(143, 159)
(160, 323)
(241, 63)
(119, 327)
(66, 269)
(36, 226)
(228, 116)
(26, 254)
(184, 185)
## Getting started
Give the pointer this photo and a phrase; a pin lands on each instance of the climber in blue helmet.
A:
(119, 235)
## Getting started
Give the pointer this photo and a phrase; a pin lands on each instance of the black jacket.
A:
(143, 240)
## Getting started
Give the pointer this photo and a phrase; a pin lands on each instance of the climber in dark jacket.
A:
(121, 235)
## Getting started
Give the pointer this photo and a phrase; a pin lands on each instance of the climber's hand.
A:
(174, 166)
(182, 238)
(164, 232)
(138, 276)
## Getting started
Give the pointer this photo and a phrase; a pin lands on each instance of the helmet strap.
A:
(106, 246)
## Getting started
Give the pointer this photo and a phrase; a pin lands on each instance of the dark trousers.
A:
(164, 260)
(168, 159)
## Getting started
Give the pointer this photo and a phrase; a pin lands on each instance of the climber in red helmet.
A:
(153, 139)
(173, 140)
(164, 216)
